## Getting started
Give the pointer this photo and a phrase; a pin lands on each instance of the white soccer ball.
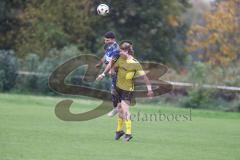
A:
(102, 9)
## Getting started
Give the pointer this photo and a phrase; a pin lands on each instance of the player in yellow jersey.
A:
(128, 68)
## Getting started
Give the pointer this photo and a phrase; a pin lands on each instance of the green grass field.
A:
(29, 130)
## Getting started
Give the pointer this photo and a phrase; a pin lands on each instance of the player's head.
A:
(126, 48)
(109, 38)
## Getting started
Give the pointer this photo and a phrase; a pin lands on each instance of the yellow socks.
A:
(128, 124)
(120, 124)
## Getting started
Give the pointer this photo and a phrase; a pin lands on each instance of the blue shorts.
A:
(114, 81)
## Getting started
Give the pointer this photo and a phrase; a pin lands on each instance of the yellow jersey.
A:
(128, 69)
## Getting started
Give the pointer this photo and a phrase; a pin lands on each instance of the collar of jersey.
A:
(110, 46)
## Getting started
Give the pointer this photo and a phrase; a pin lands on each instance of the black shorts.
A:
(124, 95)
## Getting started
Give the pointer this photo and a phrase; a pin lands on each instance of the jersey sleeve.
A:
(115, 53)
(139, 70)
(115, 58)
(116, 64)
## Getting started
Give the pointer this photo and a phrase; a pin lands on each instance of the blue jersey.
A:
(112, 51)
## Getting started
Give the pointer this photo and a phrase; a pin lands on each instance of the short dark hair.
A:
(109, 35)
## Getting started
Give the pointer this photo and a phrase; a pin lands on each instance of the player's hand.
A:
(100, 77)
(150, 94)
(98, 65)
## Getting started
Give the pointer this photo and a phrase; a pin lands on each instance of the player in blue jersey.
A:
(112, 53)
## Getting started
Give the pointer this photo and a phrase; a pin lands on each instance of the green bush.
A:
(28, 81)
(8, 70)
(199, 98)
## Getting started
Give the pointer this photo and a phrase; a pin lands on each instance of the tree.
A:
(9, 23)
(155, 27)
(51, 24)
(217, 39)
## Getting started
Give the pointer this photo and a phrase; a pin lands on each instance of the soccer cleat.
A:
(113, 112)
(119, 134)
(128, 137)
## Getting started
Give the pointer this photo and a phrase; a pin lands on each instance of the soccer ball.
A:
(103, 9)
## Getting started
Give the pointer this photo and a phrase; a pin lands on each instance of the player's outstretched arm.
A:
(149, 87)
(101, 62)
(106, 70)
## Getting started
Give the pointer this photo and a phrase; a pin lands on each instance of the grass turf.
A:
(29, 130)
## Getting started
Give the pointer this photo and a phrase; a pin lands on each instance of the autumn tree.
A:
(216, 39)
